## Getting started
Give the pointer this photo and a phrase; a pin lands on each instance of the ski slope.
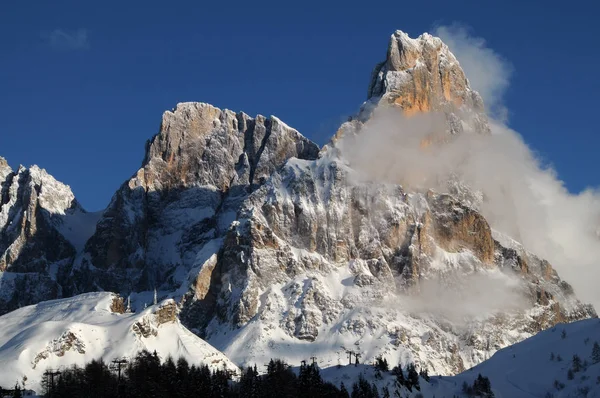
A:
(79, 329)
(523, 370)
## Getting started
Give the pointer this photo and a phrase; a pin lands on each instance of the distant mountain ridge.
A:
(273, 247)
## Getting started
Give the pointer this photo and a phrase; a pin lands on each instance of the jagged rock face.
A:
(422, 76)
(33, 250)
(196, 170)
(314, 251)
(30, 198)
(67, 341)
(149, 324)
(268, 244)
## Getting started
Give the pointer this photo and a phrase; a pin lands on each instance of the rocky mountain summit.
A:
(273, 247)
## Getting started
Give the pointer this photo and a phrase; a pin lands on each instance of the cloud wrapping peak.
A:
(487, 71)
(62, 40)
(517, 194)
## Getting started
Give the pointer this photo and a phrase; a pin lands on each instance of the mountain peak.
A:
(422, 75)
(199, 144)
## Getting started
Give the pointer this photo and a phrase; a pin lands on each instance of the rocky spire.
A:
(422, 75)
(419, 76)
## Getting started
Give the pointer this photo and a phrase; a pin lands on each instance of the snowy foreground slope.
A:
(527, 369)
(79, 329)
(536, 367)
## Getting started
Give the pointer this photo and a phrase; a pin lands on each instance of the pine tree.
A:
(343, 391)
(413, 378)
(576, 363)
(596, 353)
(552, 356)
(400, 380)
(381, 364)
(168, 376)
(385, 392)
(362, 389)
(17, 391)
(424, 373)
(570, 374)
(374, 391)
(467, 389)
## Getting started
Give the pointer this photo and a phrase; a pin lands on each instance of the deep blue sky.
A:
(83, 106)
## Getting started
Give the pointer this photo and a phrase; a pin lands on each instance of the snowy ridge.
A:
(534, 368)
(79, 329)
(323, 301)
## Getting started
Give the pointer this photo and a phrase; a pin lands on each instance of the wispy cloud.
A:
(520, 196)
(65, 40)
(488, 72)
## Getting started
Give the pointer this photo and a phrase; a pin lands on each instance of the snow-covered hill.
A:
(90, 326)
(537, 367)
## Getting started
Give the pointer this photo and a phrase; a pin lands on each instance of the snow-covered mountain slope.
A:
(41, 229)
(319, 263)
(90, 326)
(270, 247)
(538, 367)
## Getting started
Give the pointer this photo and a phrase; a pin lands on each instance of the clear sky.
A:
(83, 84)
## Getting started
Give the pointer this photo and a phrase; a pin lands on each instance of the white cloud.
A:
(521, 197)
(63, 40)
(487, 71)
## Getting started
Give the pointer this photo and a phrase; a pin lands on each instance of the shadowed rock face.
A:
(197, 168)
(254, 231)
(33, 208)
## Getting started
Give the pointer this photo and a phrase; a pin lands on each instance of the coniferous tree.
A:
(280, 380)
(467, 389)
(220, 383)
(17, 391)
(374, 391)
(576, 363)
(381, 364)
(424, 373)
(249, 384)
(400, 380)
(412, 378)
(168, 375)
(385, 392)
(362, 389)
(596, 353)
(183, 378)
(482, 387)
(343, 391)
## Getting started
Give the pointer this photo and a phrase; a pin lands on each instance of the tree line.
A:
(147, 376)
